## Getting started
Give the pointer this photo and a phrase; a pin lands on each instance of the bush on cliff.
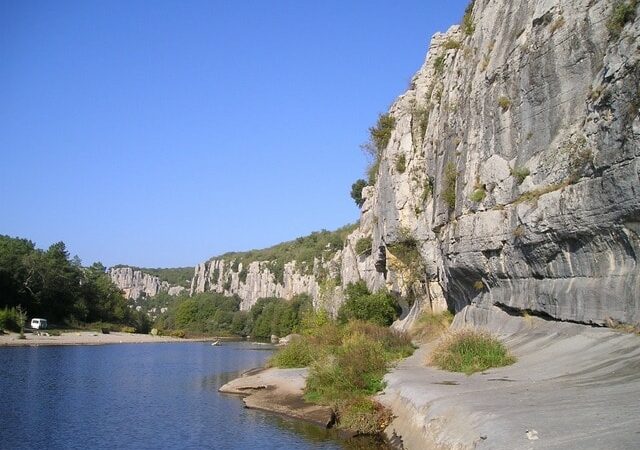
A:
(380, 308)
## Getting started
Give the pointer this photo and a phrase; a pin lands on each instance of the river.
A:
(140, 396)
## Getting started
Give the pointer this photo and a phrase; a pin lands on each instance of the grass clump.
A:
(363, 246)
(438, 64)
(452, 44)
(520, 173)
(449, 191)
(504, 102)
(622, 13)
(431, 325)
(297, 353)
(379, 136)
(478, 195)
(470, 351)
(468, 27)
(401, 163)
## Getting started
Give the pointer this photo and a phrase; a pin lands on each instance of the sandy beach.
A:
(82, 338)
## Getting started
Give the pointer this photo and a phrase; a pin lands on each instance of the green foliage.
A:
(478, 195)
(356, 192)
(468, 27)
(49, 284)
(470, 351)
(449, 188)
(520, 173)
(303, 250)
(504, 102)
(360, 304)
(379, 137)
(438, 64)
(278, 316)
(363, 246)
(451, 44)
(406, 248)
(420, 117)
(621, 13)
(381, 133)
(298, 353)
(401, 163)
(204, 313)
(9, 319)
(347, 363)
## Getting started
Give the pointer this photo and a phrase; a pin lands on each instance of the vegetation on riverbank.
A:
(347, 365)
(470, 351)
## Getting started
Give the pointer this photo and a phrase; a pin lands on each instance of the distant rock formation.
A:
(137, 284)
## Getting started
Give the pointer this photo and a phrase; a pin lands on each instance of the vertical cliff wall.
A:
(511, 176)
(513, 168)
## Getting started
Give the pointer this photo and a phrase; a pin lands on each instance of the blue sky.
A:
(161, 133)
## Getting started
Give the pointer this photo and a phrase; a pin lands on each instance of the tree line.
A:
(50, 284)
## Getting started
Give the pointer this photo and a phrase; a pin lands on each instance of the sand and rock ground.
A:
(80, 338)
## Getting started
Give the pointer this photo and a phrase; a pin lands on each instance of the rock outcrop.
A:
(137, 284)
(513, 169)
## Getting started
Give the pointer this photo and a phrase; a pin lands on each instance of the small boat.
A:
(215, 343)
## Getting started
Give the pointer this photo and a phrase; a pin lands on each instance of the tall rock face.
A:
(511, 177)
(137, 284)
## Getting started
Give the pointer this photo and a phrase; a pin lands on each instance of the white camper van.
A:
(38, 324)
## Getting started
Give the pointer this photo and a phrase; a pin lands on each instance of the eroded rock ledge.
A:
(573, 386)
(279, 391)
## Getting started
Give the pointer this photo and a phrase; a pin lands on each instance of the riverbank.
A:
(82, 338)
(280, 391)
(573, 386)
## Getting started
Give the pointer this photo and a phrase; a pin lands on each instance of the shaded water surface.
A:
(156, 396)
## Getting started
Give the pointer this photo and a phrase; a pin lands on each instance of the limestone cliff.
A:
(137, 284)
(512, 175)
(309, 265)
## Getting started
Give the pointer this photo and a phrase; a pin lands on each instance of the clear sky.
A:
(161, 133)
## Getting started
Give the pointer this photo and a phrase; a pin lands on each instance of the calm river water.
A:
(140, 396)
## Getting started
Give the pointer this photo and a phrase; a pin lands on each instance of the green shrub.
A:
(504, 102)
(360, 304)
(356, 192)
(363, 415)
(520, 173)
(9, 319)
(178, 333)
(380, 134)
(401, 163)
(297, 353)
(127, 329)
(438, 64)
(622, 13)
(449, 188)
(470, 351)
(363, 246)
(451, 44)
(478, 195)
(468, 27)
